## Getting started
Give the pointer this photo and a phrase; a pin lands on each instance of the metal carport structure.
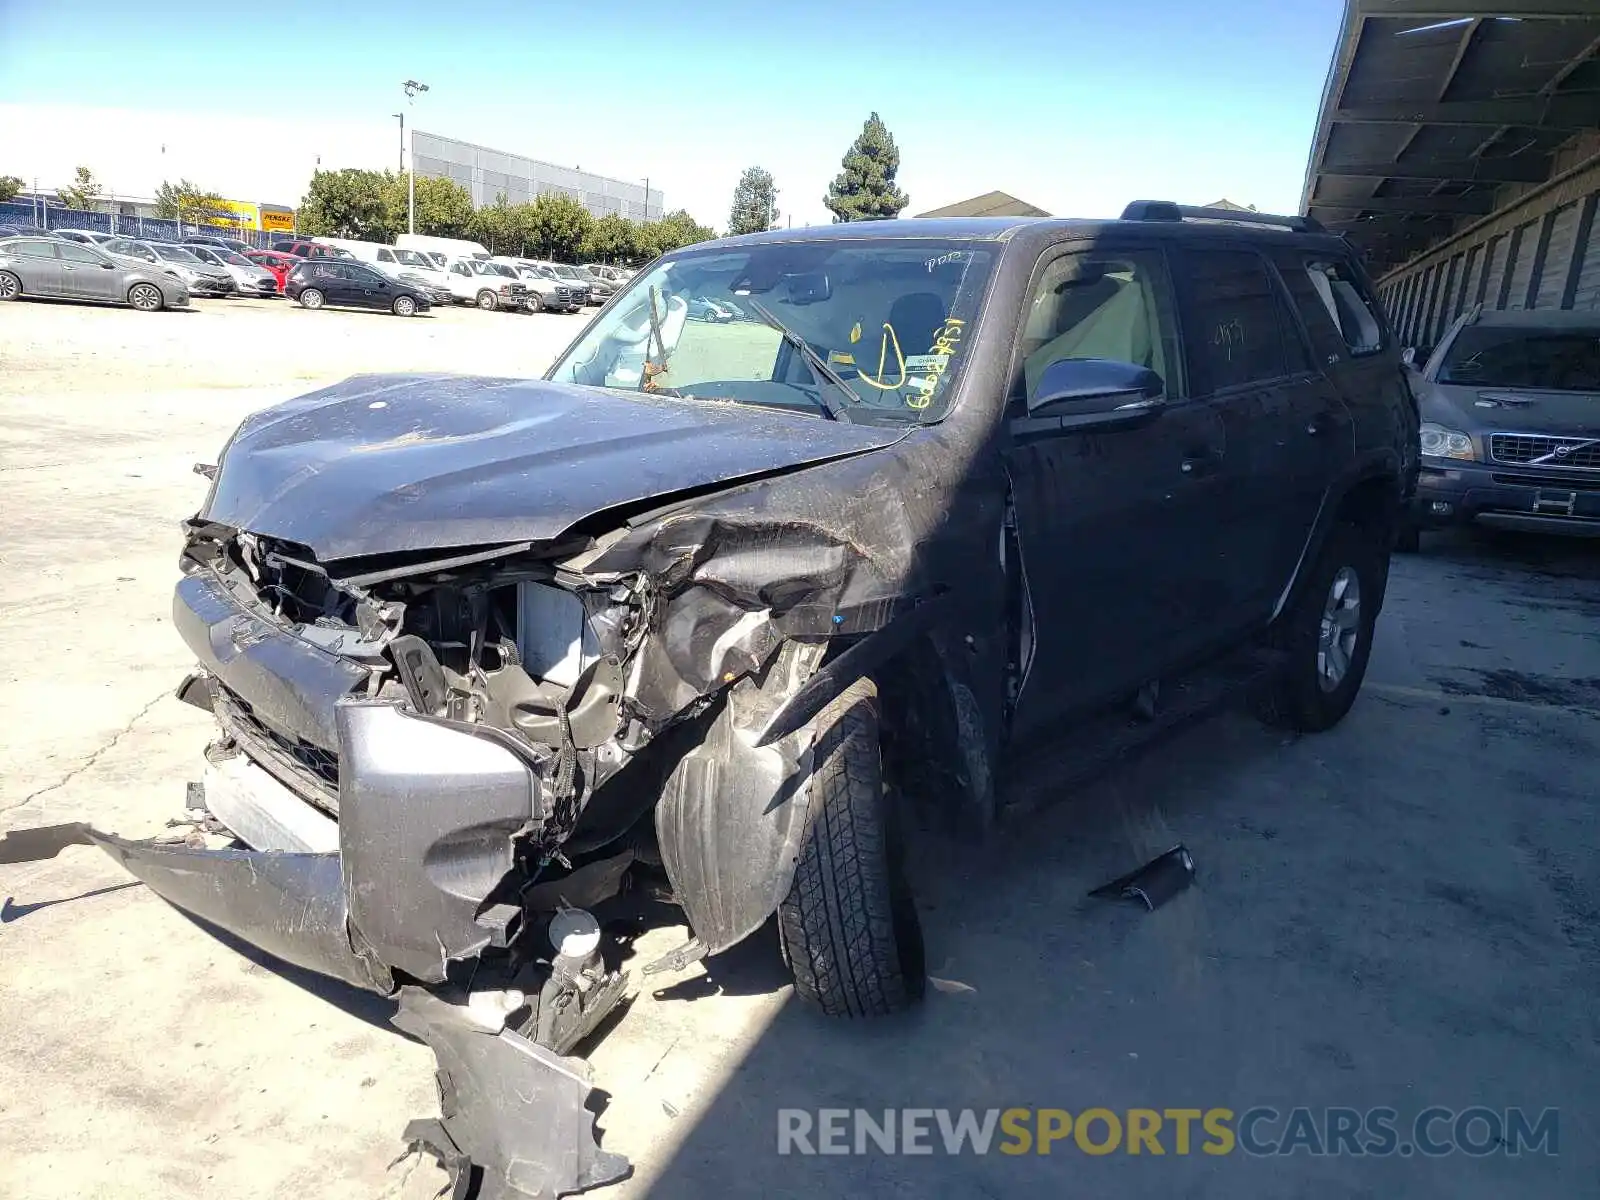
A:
(1458, 146)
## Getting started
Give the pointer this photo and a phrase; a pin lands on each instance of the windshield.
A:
(237, 259)
(1565, 360)
(564, 272)
(888, 317)
(411, 258)
(176, 254)
(491, 268)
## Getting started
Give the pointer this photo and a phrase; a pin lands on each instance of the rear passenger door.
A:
(1250, 365)
(37, 266)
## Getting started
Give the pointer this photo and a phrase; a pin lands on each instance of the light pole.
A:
(647, 199)
(411, 87)
(401, 117)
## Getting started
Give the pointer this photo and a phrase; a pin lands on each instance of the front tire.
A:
(404, 306)
(1326, 635)
(535, 303)
(146, 297)
(488, 301)
(312, 298)
(848, 926)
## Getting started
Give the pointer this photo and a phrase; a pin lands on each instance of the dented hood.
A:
(379, 464)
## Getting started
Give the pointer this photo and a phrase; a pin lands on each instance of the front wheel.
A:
(848, 926)
(145, 297)
(488, 301)
(404, 306)
(312, 298)
(1325, 637)
(535, 303)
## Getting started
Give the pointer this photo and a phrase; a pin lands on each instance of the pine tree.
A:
(865, 190)
(755, 203)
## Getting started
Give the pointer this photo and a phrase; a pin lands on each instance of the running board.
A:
(1098, 744)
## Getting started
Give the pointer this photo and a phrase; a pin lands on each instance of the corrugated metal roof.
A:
(1432, 108)
(990, 204)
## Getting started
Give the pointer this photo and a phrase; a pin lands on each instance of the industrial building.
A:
(488, 174)
(1458, 145)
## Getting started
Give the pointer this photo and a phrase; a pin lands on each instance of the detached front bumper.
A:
(422, 813)
(1504, 497)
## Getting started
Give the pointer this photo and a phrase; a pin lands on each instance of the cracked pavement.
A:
(1401, 912)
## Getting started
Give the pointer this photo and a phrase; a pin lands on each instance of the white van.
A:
(442, 249)
(393, 261)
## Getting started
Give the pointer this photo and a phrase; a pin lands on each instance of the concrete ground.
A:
(1402, 912)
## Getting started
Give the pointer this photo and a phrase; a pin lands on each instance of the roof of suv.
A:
(1158, 218)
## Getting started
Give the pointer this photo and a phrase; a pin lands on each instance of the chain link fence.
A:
(145, 228)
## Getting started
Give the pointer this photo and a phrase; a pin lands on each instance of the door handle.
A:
(1202, 462)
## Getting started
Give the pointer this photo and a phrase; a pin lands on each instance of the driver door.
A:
(1116, 528)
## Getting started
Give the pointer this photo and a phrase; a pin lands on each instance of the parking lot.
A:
(1402, 912)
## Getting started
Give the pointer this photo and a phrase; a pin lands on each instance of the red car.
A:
(279, 264)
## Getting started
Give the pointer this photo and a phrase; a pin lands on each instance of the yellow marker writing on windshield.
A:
(889, 336)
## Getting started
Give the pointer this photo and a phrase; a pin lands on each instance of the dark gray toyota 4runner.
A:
(712, 599)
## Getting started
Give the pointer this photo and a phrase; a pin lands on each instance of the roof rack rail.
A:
(1166, 210)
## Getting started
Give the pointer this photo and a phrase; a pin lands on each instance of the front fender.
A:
(733, 812)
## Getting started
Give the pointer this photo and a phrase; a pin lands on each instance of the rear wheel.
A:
(488, 301)
(1326, 635)
(10, 286)
(404, 306)
(312, 298)
(848, 926)
(146, 297)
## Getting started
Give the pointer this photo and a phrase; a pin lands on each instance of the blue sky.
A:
(1076, 107)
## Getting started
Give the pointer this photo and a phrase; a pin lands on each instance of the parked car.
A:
(33, 231)
(489, 285)
(309, 248)
(703, 308)
(252, 279)
(411, 266)
(203, 279)
(323, 282)
(442, 250)
(544, 291)
(601, 289)
(563, 274)
(217, 242)
(59, 268)
(1510, 405)
(85, 236)
(480, 649)
(278, 264)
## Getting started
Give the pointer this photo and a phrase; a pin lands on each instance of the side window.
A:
(39, 249)
(1235, 324)
(460, 268)
(79, 253)
(1115, 305)
(1342, 297)
(386, 256)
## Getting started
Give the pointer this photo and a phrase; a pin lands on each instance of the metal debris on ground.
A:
(1158, 881)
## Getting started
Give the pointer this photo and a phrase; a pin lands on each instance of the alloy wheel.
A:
(1340, 629)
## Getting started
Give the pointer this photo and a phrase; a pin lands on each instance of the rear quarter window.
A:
(1331, 297)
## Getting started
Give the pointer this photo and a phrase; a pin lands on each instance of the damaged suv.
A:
(713, 599)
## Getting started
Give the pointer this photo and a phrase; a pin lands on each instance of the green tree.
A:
(755, 203)
(865, 190)
(670, 232)
(10, 185)
(346, 203)
(82, 192)
(444, 207)
(186, 198)
(612, 238)
(558, 225)
(498, 226)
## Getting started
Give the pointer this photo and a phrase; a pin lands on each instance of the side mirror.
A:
(1073, 386)
(107, 266)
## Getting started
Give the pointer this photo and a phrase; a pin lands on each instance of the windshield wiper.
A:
(819, 365)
